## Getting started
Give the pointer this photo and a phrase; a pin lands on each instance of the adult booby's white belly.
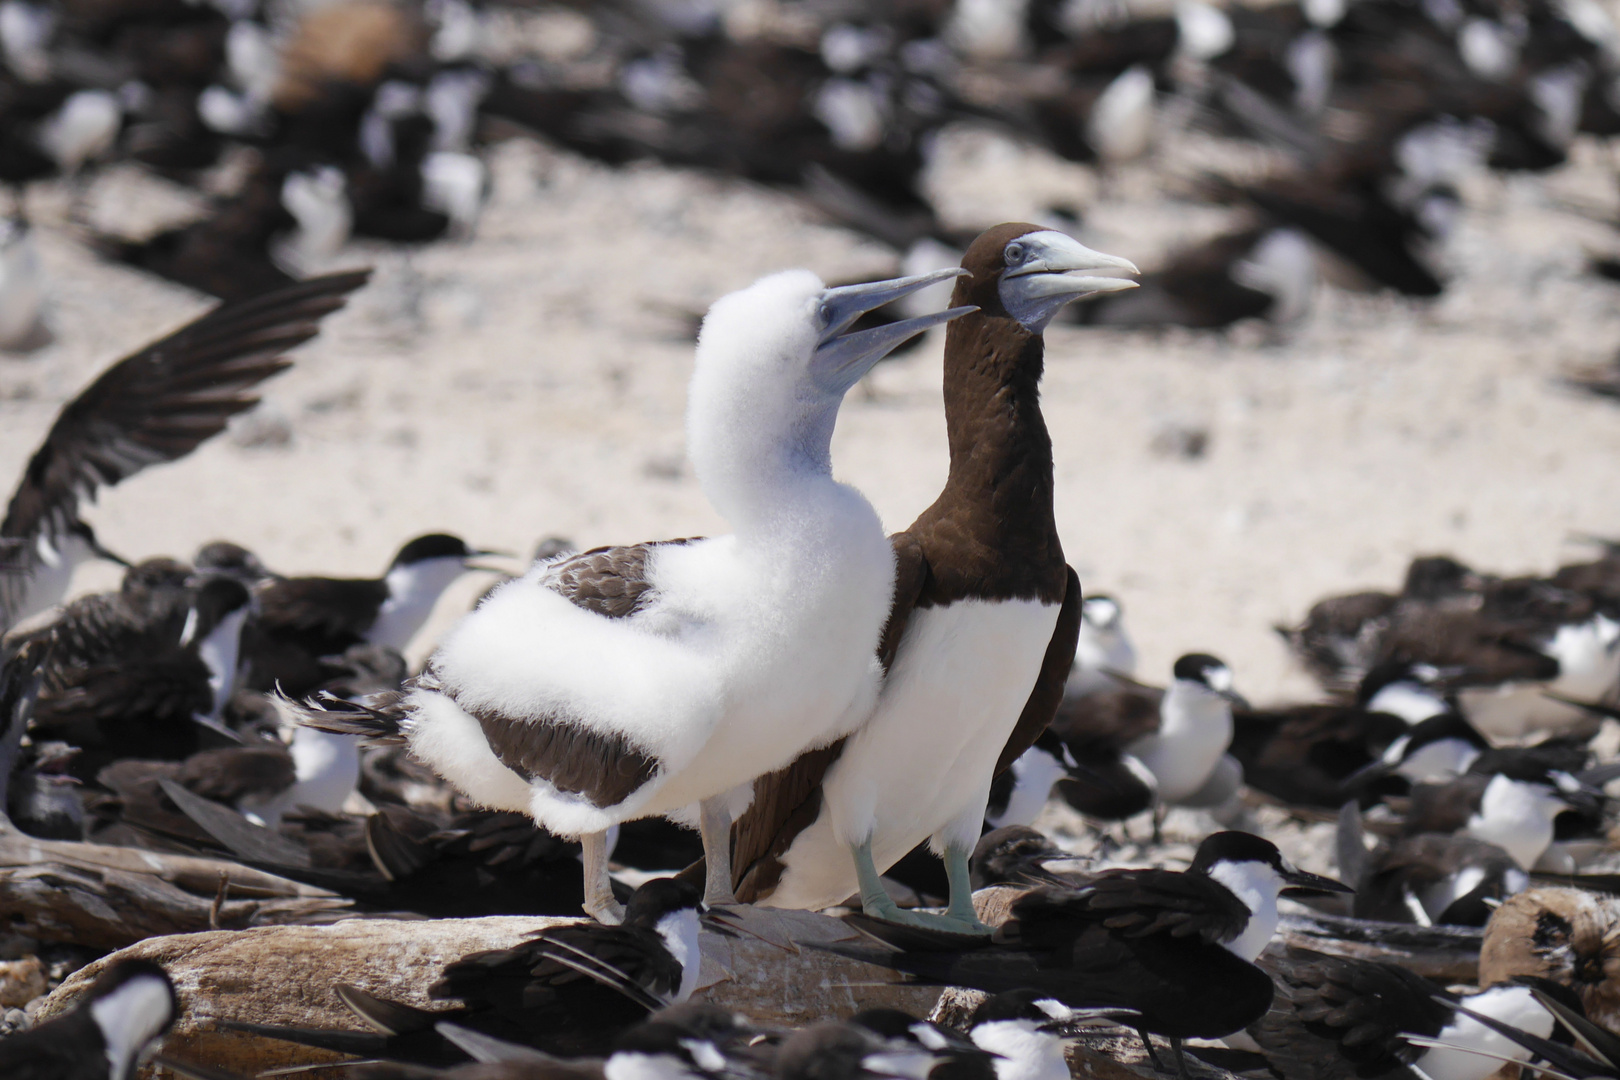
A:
(922, 765)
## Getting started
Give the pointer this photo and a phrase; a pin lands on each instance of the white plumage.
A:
(1102, 650)
(747, 649)
(962, 675)
(1195, 728)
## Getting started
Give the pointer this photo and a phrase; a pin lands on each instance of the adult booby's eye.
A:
(1014, 254)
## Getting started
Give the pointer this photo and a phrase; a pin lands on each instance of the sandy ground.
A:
(531, 382)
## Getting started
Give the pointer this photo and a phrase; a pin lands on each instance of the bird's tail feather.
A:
(384, 1016)
(363, 1043)
(380, 721)
(913, 938)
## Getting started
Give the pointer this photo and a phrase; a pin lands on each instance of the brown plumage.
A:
(346, 43)
(1568, 935)
(990, 534)
(610, 581)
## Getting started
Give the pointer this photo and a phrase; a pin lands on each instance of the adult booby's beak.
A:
(1052, 270)
(841, 357)
(1301, 883)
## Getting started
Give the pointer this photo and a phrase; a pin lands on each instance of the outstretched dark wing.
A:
(161, 402)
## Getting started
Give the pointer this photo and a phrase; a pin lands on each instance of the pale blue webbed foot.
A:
(876, 901)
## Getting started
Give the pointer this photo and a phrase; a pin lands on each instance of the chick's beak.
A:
(841, 357)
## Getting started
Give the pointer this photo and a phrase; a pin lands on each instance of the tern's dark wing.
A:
(1358, 1007)
(1135, 903)
(331, 613)
(1108, 719)
(585, 973)
(1088, 965)
(1487, 649)
(161, 402)
(1302, 754)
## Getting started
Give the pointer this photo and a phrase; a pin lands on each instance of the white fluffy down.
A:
(752, 647)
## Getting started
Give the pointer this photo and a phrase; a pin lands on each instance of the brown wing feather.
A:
(788, 800)
(610, 581)
(1047, 694)
(160, 403)
(1111, 718)
(605, 769)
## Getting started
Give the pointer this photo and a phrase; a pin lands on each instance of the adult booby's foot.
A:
(600, 903)
(876, 901)
(960, 877)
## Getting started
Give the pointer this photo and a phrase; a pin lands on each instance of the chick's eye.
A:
(825, 314)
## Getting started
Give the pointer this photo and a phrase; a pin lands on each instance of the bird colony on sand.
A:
(688, 739)
(302, 123)
(806, 713)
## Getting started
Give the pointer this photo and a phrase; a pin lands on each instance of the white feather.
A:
(987, 29)
(21, 291)
(679, 929)
(1103, 646)
(921, 766)
(318, 200)
(1257, 885)
(1517, 817)
(752, 648)
(1195, 728)
(454, 184)
(1026, 1052)
(326, 768)
(82, 129)
(413, 591)
(1034, 773)
(1488, 49)
(852, 112)
(1120, 127)
(1512, 1004)
(25, 33)
(129, 1018)
(1283, 266)
(1203, 30)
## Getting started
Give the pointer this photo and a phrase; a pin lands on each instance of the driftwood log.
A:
(109, 897)
(286, 974)
(1446, 953)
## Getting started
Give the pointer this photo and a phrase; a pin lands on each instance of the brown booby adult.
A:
(660, 678)
(983, 627)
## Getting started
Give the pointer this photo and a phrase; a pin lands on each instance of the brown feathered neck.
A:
(994, 519)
